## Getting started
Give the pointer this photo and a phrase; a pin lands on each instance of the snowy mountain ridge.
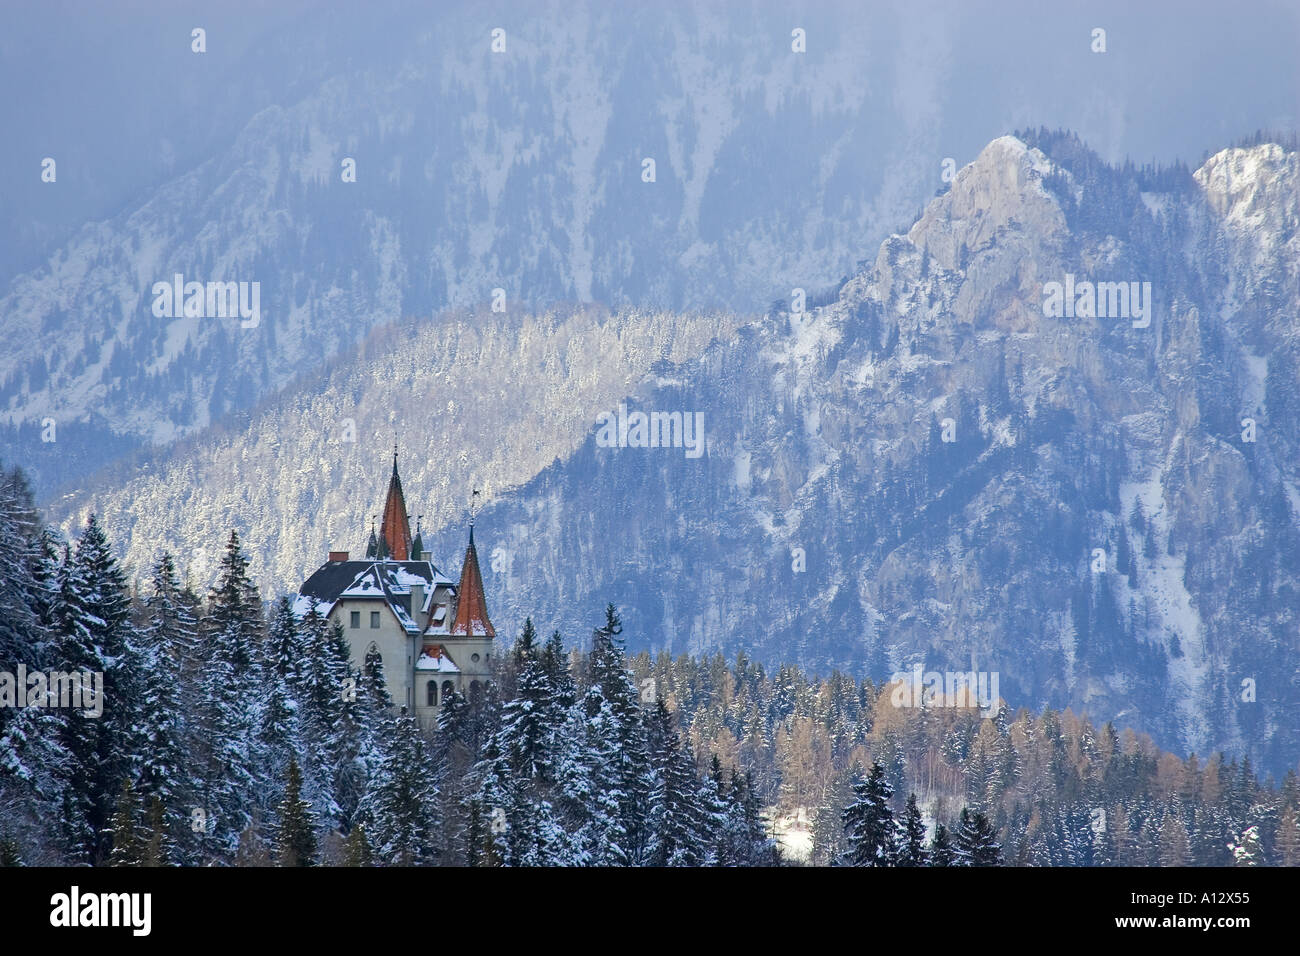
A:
(926, 469)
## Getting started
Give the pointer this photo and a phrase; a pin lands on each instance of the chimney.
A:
(338, 555)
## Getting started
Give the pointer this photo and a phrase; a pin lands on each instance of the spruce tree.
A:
(976, 842)
(295, 841)
(590, 785)
(127, 845)
(166, 639)
(911, 849)
(401, 808)
(356, 848)
(528, 735)
(558, 675)
(362, 740)
(869, 822)
(325, 719)
(941, 852)
(228, 786)
(96, 636)
(718, 816)
(34, 761)
(453, 753)
(677, 825)
(607, 669)
(750, 843)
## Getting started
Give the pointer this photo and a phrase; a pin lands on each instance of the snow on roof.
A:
(302, 606)
(404, 619)
(402, 578)
(434, 657)
(388, 581)
(364, 586)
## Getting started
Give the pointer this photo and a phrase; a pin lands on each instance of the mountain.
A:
(785, 142)
(474, 400)
(922, 468)
(521, 170)
(1100, 531)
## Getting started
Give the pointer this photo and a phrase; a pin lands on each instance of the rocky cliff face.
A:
(941, 464)
(929, 469)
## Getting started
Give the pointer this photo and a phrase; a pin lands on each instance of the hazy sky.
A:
(113, 91)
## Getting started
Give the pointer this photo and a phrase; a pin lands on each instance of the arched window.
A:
(447, 688)
(475, 691)
(431, 693)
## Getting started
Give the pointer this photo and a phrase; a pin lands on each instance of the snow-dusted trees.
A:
(167, 643)
(869, 822)
(228, 707)
(294, 832)
(976, 842)
(95, 635)
(400, 808)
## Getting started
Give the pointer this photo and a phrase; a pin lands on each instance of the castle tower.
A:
(395, 528)
(433, 637)
(470, 636)
(471, 605)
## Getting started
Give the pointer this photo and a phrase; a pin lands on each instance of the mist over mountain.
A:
(924, 469)
(521, 170)
(928, 471)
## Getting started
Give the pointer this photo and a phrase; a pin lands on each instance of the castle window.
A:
(475, 691)
(374, 618)
(432, 694)
(356, 619)
(474, 658)
(447, 688)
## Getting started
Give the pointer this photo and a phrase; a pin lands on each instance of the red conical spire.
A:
(471, 607)
(395, 529)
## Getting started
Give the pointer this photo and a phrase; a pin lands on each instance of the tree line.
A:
(236, 733)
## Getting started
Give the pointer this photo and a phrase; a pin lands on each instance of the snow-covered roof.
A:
(302, 606)
(388, 581)
(439, 661)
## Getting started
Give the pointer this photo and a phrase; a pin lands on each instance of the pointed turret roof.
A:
(417, 546)
(471, 606)
(395, 529)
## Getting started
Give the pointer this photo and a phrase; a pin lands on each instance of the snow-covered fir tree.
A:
(869, 822)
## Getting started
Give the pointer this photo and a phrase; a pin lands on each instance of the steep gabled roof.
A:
(395, 528)
(389, 581)
(471, 606)
(434, 657)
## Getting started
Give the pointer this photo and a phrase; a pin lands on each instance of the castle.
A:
(434, 636)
